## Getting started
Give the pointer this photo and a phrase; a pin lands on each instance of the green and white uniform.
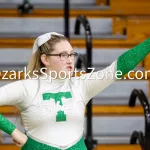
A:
(53, 111)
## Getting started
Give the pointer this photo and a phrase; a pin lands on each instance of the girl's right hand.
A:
(19, 138)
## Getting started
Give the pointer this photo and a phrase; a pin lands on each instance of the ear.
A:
(45, 60)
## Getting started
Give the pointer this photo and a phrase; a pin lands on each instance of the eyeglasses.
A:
(64, 56)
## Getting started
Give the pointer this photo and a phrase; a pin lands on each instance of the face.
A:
(64, 68)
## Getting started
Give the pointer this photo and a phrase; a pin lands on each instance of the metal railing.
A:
(144, 141)
(25, 7)
(107, 2)
(87, 61)
(66, 17)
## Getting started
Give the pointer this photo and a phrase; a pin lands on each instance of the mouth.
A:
(69, 67)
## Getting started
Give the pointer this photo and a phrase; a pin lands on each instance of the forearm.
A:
(10, 94)
(129, 60)
(6, 125)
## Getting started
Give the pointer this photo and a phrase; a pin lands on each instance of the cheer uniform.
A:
(53, 110)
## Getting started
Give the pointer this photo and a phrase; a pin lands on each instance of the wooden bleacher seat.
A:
(138, 27)
(134, 7)
(118, 147)
(80, 43)
(9, 147)
(8, 110)
(117, 110)
(97, 110)
(124, 7)
(99, 147)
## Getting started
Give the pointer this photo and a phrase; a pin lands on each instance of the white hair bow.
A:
(42, 39)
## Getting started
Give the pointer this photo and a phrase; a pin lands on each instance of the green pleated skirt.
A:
(32, 144)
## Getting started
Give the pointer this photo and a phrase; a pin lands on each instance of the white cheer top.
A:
(53, 111)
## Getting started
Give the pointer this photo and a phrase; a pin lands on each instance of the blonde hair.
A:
(35, 62)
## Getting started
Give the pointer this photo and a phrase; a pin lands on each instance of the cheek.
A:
(57, 65)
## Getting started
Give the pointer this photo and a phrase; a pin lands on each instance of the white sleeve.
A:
(93, 83)
(12, 93)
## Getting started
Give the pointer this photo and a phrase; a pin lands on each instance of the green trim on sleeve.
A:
(130, 59)
(6, 125)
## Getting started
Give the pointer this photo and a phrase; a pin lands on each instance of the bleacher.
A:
(117, 25)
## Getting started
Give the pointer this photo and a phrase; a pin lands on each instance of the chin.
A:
(66, 74)
(69, 74)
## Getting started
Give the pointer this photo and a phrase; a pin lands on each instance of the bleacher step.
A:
(99, 147)
(128, 8)
(80, 43)
(6, 139)
(117, 110)
(37, 26)
(112, 139)
(54, 6)
(89, 2)
(97, 110)
(118, 147)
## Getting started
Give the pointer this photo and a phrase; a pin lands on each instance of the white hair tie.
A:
(42, 39)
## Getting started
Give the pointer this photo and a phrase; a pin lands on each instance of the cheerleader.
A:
(52, 100)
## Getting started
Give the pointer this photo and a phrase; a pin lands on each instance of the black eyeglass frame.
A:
(60, 54)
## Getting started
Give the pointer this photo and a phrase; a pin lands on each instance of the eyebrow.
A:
(66, 51)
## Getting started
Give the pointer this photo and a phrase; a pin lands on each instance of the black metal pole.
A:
(147, 129)
(147, 121)
(66, 17)
(137, 137)
(25, 7)
(88, 64)
(145, 104)
(108, 2)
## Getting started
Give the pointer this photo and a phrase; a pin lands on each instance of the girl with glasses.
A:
(52, 100)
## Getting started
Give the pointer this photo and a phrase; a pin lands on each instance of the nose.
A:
(69, 60)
